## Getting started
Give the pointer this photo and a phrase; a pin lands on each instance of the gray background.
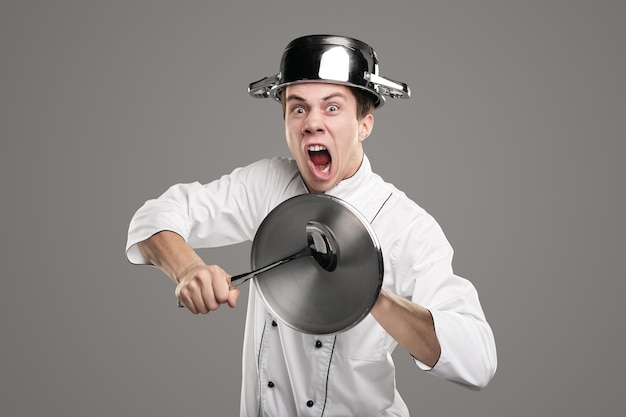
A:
(513, 139)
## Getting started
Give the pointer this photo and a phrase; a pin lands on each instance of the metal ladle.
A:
(321, 246)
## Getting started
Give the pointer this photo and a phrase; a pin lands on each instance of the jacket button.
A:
(318, 344)
(274, 324)
(310, 403)
(270, 384)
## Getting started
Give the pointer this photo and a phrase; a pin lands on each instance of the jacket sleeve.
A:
(222, 212)
(468, 350)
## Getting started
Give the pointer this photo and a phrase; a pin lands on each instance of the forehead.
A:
(314, 91)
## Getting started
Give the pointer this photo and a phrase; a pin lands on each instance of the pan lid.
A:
(304, 295)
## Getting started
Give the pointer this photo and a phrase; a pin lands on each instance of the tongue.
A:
(320, 157)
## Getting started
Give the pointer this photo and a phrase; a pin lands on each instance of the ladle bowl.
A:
(321, 245)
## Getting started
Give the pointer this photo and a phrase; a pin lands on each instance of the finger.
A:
(221, 288)
(202, 301)
(208, 298)
(233, 296)
(201, 294)
(179, 302)
(187, 296)
(187, 301)
(179, 298)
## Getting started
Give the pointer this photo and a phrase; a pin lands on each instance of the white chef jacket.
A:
(288, 373)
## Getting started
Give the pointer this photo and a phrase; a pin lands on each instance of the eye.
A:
(332, 108)
(298, 110)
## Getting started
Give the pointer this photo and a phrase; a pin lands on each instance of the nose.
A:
(314, 123)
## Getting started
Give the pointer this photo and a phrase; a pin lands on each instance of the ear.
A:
(366, 124)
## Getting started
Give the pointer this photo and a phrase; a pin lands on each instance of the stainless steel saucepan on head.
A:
(331, 59)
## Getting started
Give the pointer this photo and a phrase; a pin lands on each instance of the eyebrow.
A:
(295, 97)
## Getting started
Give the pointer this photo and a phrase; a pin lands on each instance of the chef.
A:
(328, 87)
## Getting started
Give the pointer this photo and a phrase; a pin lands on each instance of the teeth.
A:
(326, 168)
(316, 148)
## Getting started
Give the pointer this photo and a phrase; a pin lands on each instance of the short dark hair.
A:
(364, 101)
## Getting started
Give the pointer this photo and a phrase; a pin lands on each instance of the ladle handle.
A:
(237, 280)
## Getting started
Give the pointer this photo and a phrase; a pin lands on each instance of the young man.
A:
(328, 87)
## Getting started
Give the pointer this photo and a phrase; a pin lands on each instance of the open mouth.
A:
(320, 157)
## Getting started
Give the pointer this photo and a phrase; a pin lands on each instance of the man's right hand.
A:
(201, 288)
(204, 288)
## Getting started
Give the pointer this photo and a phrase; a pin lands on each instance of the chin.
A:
(320, 186)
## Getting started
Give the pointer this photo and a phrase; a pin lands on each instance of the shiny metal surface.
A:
(301, 293)
(321, 246)
(334, 59)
